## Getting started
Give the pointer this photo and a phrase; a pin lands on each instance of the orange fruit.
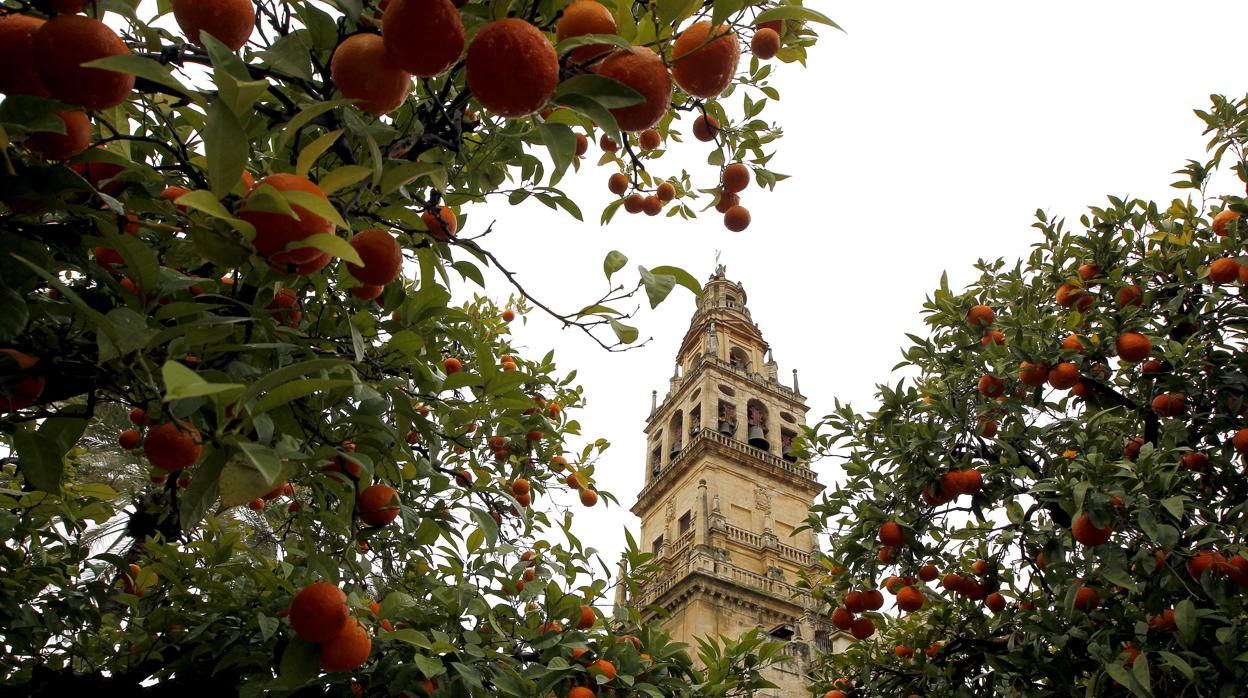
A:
(1133, 346)
(618, 183)
(423, 37)
(649, 139)
(174, 193)
(862, 628)
(441, 222)
(1086, 533)
(928, 572)
(582, 144)
(585, 17)
(381, 254)
(736, 177)
(452, 365)
(1195, 461)
(363, 71)
(585, 618)
(842, 618)
(607, 668)
(520, 486)
(980, 316)
(18, 74)
(872, 600)
(512, 67)
(995, 602)
(1224, 271)
(348, 650)
(727, 200)
(319, 612)
(1087, 599)
(854, 603)
(981, 567)
(1072, 343)
(285, 307)
(63, 146)
(607, 145)
(765, 44)
(651, 205)
(1033, 374)
(67, 41)
(992, 337)
(1240, 441)
(634, 203)
(1069, 295)
(129, 439)
(706, 128)
(274, 231)
(378, 505)
(1222, 221)
(173, 446)
(580, 692)
(990, 386)
(507, 316)
(1064, 376)
(367, 293)
(228, 21)
(1132, 449)
(665, 192)
(704, 59)
(643, 70)
(737, 218)
(589, 497)
(910, 599)
(1089, 271)
(891, 533)
(1170, 404)
(1128, 295)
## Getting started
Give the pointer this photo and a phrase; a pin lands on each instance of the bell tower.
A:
(724, 494)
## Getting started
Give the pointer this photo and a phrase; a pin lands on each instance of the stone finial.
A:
(654, 401)
(795, 388)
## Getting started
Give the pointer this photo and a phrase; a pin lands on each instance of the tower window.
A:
(686, 521)
(738, 358)
(658, 545)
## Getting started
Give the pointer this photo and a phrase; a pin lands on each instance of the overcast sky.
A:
(922, 139)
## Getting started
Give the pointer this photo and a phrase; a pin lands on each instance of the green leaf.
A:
(130, 334)
(181, 383)
(252, 473)
(314, 150)
(226, 147)
(41, 452)
(1174, 505)
(334, 245)
(343, 177)
(14, 314)
(305, 117)
(627, 334)
(1185, 619)
(657, 285)
(199, 497)
(408, 172)
(723, 9)
(316, 204)
(470, 271)
(206, 202)
(145, 68)
(804, 14)
(590, 108)
(1174, 660)
(607, 92)
(591, 40)
(682, 277)
(614, 262)
(561, 143)
(297, 389)
(301, 662)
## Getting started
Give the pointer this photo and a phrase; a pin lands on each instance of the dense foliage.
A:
(1056, 496)
(263, 437)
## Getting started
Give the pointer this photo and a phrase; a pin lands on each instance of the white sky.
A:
(919, 141)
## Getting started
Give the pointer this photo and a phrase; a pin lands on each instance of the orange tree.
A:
(255, 445)
(1055, 496)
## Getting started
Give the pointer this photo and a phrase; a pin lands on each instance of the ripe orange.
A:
(1240, 441)
(1089, 271)
(634, 203)
(274, 231)
(727, 200)
(63, 146)
(665, 192)
(910, 599)
(173, 446)
(585, 17)
(1072, 343)
(452, 365)
(651, 205)
(986, 428)
(842, 618)
(129, 439)
(367, 293)
(736, 177)
(1133, 346)
(319, 612)
(1128, 295)
(256, 504)
(348, 650)
(580, 692)
(228, 21)
(381, 254)
(992, 337)
(585, 618)
(285, 307)
(512, 67)
(1087, 599)
(1203, 560)
(363, 71)
(1086, 533)
(67, 41)
(378, 505)
(607, 668)
(649, 139)
(862, 628)
(520, 486)
(854, 602)
(1069, 295)
(1170, 404)
(737, 218)
(507, 316)
(1224, 271)
(582, 144)
(18, 74)
(423, 37)
(463, 478)
(1033, 374)
(706, 128)
(835, 694)
(872, 600)
(980, 316)
(558, 463)
(309, 268)
(589, 497)
(1195, 461)
(1064, 376)
(1222, 221)
(643, 70)
(995, 602)
(765, 44)
(607, 145)
(1151, 366)
(990, 386)
(618, 183)
(704, 59)
(891, 533)
(928, 572)
(441, 222)
(1132, 448)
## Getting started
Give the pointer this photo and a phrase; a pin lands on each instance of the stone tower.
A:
(723, 494)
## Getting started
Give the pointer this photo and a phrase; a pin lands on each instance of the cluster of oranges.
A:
(320, 613)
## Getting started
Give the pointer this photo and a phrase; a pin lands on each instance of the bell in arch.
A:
(758, 438)
(727, 428)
